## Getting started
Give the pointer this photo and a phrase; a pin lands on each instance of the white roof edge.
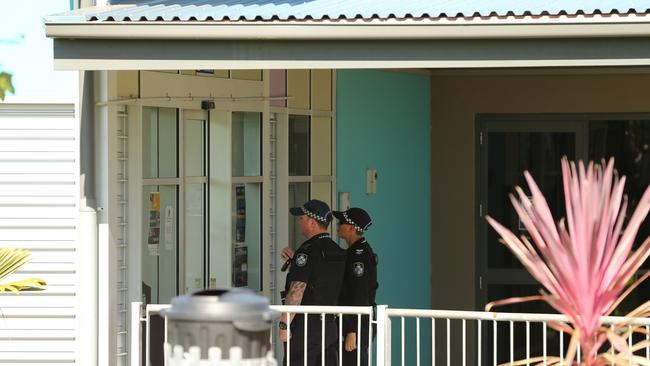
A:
(640, 27)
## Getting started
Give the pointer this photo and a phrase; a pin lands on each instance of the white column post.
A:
(382, 338)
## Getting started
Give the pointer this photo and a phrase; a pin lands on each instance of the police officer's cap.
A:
(356, 217)
(316, 209)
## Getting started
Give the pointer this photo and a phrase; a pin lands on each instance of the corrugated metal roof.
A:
(269, 10)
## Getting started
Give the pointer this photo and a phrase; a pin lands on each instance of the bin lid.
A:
(244, 308)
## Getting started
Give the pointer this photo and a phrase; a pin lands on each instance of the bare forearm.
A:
(294, 297)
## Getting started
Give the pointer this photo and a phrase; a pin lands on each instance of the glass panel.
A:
(627, 141)
(159, 247)
(298, 195)
(246, 144)
(299, 145)
(246, 234)
(194, 237)
(149, 142)
(167, 142)
(159, 143)
(510, 153)
(194, 147)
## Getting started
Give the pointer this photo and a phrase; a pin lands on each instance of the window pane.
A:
(159, 243)
(246, 144)
(299, 145)
(298, 195)
(627, 141)
(194, 147)
(167, 143)
(246, 234)
(194, 236)
(510, 154)
(150, 142)
(159, 152)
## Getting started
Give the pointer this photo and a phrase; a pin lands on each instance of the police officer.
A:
(359, 282)
(314, 278)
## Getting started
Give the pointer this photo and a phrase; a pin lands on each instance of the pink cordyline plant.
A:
(586, 261)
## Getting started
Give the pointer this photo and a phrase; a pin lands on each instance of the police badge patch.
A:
(301, 259)
(357, 269)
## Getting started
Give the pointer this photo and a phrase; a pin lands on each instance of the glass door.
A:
(194, 187)
(174, 202)
(508, 147)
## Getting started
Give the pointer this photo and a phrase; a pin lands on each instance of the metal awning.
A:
(253, 34)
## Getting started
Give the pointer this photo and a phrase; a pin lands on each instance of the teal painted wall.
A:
(383, 122)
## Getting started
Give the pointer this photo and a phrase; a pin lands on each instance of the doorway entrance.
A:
(510, 144)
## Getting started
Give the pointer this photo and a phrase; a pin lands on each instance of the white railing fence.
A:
(409, 336)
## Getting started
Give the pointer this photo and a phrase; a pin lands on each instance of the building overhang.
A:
(490, 42)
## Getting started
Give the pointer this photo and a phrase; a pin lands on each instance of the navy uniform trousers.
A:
(314, 344)
(350, 358)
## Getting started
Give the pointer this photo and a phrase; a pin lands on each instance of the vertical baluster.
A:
(433, 341)
(403, 358)
(358, 339)
(494, 342)
(288, 337)
(417, 341)
(369, 338)
(304, 340)
(340, 339)
(478, 348)
(448, 342)
(527, 342)
(322, 339)
(464, 342)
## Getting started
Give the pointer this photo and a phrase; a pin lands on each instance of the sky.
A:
(26, 53)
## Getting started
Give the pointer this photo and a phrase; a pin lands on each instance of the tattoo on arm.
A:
(296, 291)
(294, 297)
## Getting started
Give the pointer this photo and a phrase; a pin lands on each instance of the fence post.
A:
(382, 338)
(136, 308)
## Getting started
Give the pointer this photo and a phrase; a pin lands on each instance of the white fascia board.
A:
(134, 64)
(440, 30)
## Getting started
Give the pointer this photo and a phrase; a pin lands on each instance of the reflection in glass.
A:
(246, 144)
(159, 238)
(627, 141)
(246, 236)
(159, 143)
(298, 195)
(299, 145)
(194, 147)
(510, 154)
(194, 236)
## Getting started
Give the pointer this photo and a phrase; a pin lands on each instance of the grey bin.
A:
(235, 321)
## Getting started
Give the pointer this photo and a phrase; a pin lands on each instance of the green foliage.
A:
(6, 85)
(11, 260)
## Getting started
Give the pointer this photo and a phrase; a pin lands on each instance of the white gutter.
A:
(345, 31)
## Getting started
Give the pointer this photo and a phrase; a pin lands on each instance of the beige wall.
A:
(455, 102)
